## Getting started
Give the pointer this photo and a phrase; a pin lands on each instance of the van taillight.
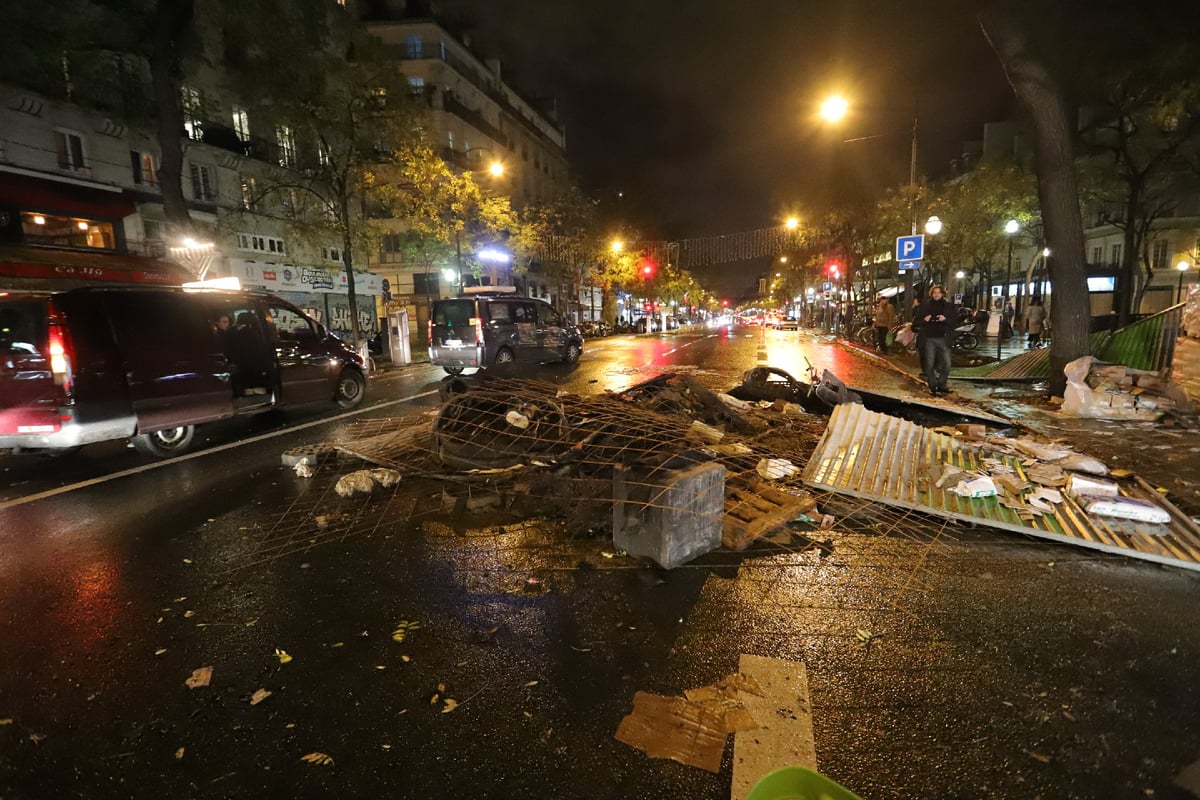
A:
(59, 347)
(478, 323)
(430, 340)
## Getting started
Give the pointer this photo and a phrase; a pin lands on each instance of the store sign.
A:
(290, 278)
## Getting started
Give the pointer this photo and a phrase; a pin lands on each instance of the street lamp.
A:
(1010, 228)
(617, 245)
(792, 223)
(1182, 266)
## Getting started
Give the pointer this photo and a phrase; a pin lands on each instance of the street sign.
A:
(910, 248)
(909, 265)
(826, 286)
(958, 299)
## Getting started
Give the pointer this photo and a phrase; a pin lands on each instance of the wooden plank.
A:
(784, 713)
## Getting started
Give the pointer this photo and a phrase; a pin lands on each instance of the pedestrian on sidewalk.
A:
(885, 318)
(1006, 320)
(1035, 318)
(936, 317)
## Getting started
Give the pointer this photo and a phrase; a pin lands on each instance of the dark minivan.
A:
(497, 327)
(96, 364)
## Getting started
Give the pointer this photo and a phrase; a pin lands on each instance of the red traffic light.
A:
(832, 268)
(724, 304)
(648, 268)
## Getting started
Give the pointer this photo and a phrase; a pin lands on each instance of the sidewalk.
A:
(1166, 454)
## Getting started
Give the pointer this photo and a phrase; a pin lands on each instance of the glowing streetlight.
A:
(933, 226)
(496, 169)
(1183, 267)
(1011, 227)
(792, 223)
(834, 108)
(783, 259)
(617, 245)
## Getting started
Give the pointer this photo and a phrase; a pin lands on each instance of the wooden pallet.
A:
(753, 509)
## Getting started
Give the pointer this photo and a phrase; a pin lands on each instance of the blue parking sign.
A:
(826, 286)
(910, 248)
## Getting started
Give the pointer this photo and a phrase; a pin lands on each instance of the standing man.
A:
(885, 318)
(936, 316)
(1035, 319)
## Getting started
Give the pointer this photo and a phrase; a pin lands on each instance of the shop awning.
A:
(23, 267)
(68, 196)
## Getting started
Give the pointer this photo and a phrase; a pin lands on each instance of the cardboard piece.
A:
(784, 710)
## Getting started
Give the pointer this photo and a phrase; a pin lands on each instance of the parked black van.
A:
(96, 364)
(497, 327)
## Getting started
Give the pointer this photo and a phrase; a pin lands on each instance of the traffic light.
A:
(648, 268)
(832, 269)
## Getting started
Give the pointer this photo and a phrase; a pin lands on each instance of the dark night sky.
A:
(702, 111)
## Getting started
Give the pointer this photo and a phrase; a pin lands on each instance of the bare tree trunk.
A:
(348, 262)
(171, 18)
(1058, 191)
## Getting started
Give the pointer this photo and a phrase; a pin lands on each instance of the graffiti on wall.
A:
(339, 319)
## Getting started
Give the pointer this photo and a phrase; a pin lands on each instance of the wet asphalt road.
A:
(1000, 668)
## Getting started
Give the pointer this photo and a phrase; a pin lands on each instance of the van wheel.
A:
(503, 356)
(453, 370)
(164, 444)
(351, 389)
(574, 351)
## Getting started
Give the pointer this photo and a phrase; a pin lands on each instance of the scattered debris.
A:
(1119, 392)
(201, 676)
(282, 656)
(318, 759)
(259, 696)
(304, 469)
(364, 481)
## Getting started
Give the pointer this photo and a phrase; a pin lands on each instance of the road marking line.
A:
(218, 449)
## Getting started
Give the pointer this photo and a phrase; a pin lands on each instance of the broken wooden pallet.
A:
(753, 509)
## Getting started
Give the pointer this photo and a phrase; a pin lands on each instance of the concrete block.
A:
(669, 516)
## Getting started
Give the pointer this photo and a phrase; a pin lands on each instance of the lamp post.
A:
(1182, 267)
(1010, 228)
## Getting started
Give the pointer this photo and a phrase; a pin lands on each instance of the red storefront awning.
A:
(21, 267)
(48, 196)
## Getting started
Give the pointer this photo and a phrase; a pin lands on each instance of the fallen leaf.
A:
(283, 656)
(319, 759)
(1038, 757)
(290, 725)
(187, 561)
(402, 629)
(441, 687)
(189, 614)
(527, 714)
(380, 666)
(259, 696)
(435, 698)
(338, 644)
(405, 659)
(179, 754)
(37, 737)
(451, 704)
(160, 651)
(386, 746)
(532, 683)
(180, 599)
(200, 677)
(251, 623)
(160, 620)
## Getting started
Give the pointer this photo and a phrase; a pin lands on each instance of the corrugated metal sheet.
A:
(1146, 344)
(882, 458)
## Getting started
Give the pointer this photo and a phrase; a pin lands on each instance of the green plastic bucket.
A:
(799, 783)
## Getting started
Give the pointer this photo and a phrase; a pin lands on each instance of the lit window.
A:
(143, 167)
(413, 47)
(249, 193)
(53, 231)
(285, 137)
(241, 124)
(189, 102)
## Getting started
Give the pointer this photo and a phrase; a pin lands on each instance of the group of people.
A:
(934, 321)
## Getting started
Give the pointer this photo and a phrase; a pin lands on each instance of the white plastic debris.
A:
(517, 419)
(977, 487)
(776, 468)
(304, 469)
(1094, 487)
(705, 433)
(733, 402)
(1126, 508)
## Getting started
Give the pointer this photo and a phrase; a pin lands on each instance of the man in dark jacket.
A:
(936, 316)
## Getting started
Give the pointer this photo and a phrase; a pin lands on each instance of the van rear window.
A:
(453, 312)
(22, 327)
